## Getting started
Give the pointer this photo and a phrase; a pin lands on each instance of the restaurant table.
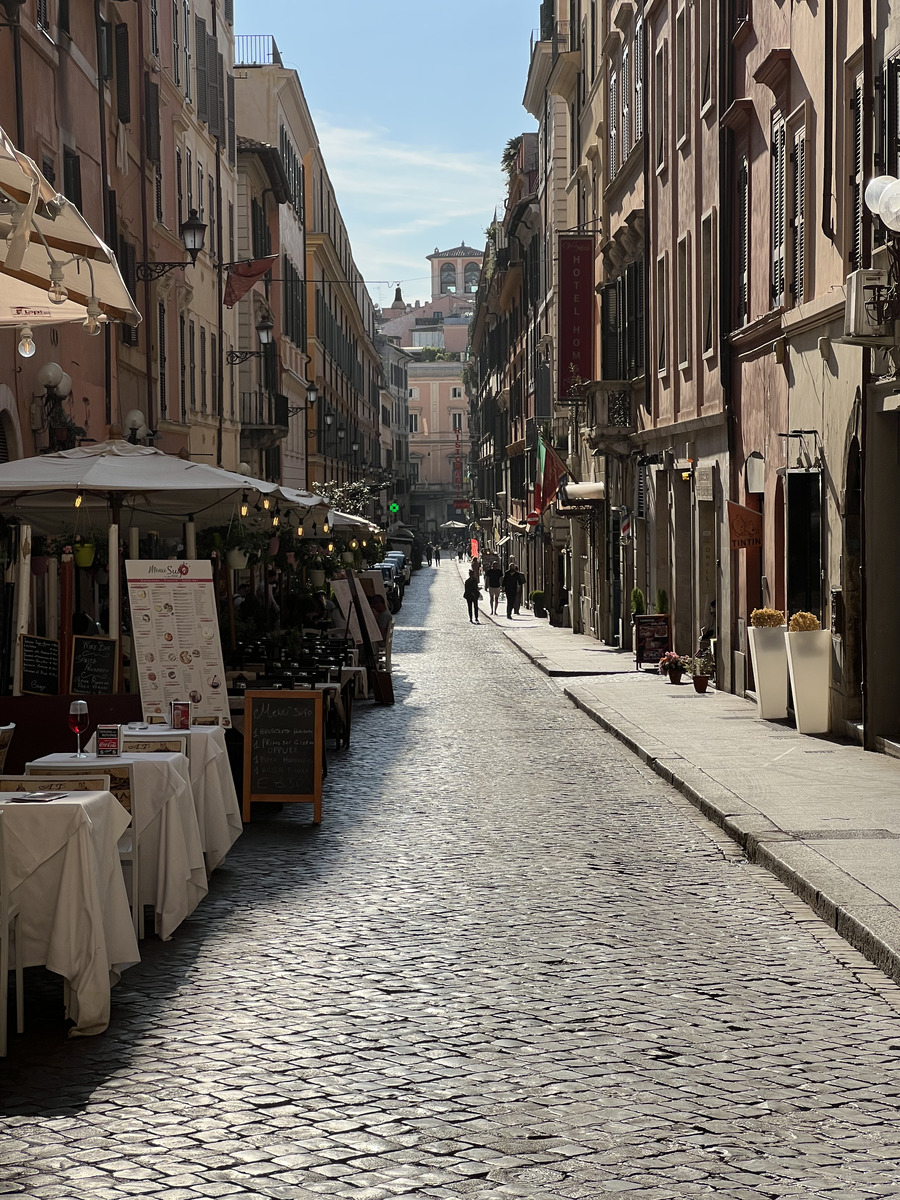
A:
(360, 678)
(172, 871)
(65, 875)
(212, 785)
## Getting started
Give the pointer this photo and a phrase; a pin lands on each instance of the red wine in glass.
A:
(78, 722)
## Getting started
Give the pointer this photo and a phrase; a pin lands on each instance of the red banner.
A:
(243, 275)
(576, 307)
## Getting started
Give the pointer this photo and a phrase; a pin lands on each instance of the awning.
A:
(503, 541)
(574, 494)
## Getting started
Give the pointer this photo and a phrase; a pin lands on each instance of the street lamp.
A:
(882, 198)
(193, 232)
(264, 331)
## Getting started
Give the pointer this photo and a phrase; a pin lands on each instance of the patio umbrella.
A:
(47, 245)
(454, 525)
(139, 485)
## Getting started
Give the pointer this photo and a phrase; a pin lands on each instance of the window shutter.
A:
(743, 232)
(613, 125)
(128, 265)
(639, 80)
(212, 79)
(778, 211)
(123, 75)
(161, 355)
(151, 109)
(202, 80)
(232, 139)
(229, 12)
(892, 116)
(799, 216)
(625, 84)
(220, 94)
(106, 52)
(856, 179)
(609, 331)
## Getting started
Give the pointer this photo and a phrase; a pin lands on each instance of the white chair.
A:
(120, 782)
(9, 933)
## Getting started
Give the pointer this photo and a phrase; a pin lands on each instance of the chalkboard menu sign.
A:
(651, 638)
(93, 666)
(40, 666)
(283, 749)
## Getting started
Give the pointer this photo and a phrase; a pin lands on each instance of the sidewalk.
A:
(821, 814)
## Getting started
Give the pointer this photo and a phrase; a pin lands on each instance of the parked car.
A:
(403, 566)
(391, 585)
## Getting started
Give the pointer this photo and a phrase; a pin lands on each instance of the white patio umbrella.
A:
(454, 525)
(47, 245)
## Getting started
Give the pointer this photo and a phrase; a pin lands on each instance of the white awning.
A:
(581, 493)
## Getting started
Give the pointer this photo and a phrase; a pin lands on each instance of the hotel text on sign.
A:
(576, 301)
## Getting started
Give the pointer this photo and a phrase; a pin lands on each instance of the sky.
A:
(413, 104)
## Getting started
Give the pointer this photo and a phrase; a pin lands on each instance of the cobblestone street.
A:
(511, 962)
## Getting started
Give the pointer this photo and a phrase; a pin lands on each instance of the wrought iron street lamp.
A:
(193, 233)
(264, 331)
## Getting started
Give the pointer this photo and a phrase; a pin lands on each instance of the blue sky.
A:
(413, 104)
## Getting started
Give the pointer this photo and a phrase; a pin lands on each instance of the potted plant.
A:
(701, 669)
(673, 665)
(662, 600)
(638, 605)
(809, 664)
(538, 604)
(769, 658)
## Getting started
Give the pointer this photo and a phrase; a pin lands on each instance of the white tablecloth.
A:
(215, 798)
(172, 870)
(65, 875)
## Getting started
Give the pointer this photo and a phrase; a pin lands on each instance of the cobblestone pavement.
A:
(511, 962)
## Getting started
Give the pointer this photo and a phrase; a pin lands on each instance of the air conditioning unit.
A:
(859, 320)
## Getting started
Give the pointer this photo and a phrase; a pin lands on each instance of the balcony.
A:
(264, 419)
(256, 50)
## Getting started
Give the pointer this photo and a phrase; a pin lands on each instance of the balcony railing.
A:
(256, 50)
(264, 409)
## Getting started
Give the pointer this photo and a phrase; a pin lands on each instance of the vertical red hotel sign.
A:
(576, 308)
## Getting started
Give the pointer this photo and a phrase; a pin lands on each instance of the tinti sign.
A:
(576, 302)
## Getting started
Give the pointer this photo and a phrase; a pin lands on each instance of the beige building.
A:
(438, 445)
(443, 321)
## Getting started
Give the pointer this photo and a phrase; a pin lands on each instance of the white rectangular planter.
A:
(770, 670)
(809, 663)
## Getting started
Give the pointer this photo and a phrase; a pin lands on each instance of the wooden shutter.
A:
(743, 244)
(202, 89)
(220, 95)
(212, 79)
(892, 117)
(613, 124)
(856, 177)
(609, 331)
(625, 85)
(161, 356)
(798, 216)
(229, 12)
(151, 111)
(639, 80)
(778, 211)
(123, 75)
(232, 139)
(128, 265)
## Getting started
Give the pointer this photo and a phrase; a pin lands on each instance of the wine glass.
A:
(78, 723)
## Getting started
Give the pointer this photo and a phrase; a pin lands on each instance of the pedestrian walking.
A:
(437, 556)
(493, 577)
(429, 553)
(472, 593)
(520, 593)
(459, 551)
(511, 588)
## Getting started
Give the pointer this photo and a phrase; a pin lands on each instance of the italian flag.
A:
(551, 471)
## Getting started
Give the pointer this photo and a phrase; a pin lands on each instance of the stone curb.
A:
(839, 900)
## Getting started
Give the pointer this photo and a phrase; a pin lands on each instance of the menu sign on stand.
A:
(93, 666)
(283, 749)
(651, 637)
(176, 646)
(40, 666)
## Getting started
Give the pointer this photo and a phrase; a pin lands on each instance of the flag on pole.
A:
(550, 474)
(243, 275)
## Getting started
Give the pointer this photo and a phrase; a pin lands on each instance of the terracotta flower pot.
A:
(701, 682)
(675, 674)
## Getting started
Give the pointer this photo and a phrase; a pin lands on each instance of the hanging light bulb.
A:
(266, 503)
(245, 505)
(79, 499)
(331, 547)
(300, 530)
(56, 292)
(276, 519)
(365, 543)
(354, 544)
(324, 526)
(92, 323)
(26, 345)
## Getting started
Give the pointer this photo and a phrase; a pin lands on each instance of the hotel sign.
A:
(576, 312)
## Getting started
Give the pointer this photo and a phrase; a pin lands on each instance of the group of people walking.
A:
(433, 554)
(511, 583)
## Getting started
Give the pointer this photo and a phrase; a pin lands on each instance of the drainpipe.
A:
(104, 193)
(12, 8)
(145, 225)
(726, 300)
(828, 132)
(868, 125)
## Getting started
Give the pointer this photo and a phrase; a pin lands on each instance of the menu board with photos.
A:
(176, 646)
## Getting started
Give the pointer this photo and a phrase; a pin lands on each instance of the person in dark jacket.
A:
(493, 577)
(472, 593)
(511, 584)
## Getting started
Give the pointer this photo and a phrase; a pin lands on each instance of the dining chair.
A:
(6, 732)
(9, 938)
(154, 745)
(121, 784)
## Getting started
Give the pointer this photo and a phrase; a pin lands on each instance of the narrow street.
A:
(511, 962)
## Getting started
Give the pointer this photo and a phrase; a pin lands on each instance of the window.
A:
(413, 422)
(891, 117)
(639, 79)
(158, 189)
(472, 275)
(414, 393)
(48, 170)
(428, 337)
(705, 18)
(186, 31)
(43, 16)
(661, 323)
(456, 421)
(625, 85)
(613, 139)
(448, 279)
(778, 217)
(179, 189)
(798, 216)
(683, 300)
(154, 28)
(161, 348)
(856, 250)
(707, 288)
(202, 370)
(660, 105)
(182, 369)
(192, 363)
(456, 393)
(176, 43)
(123, 75)
(72, 177)
(682, 78)
(413, 473)
(622, 324)
(294, 311)
(189, 176)
(742, 234)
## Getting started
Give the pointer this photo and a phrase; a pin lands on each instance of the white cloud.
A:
(399, 200)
